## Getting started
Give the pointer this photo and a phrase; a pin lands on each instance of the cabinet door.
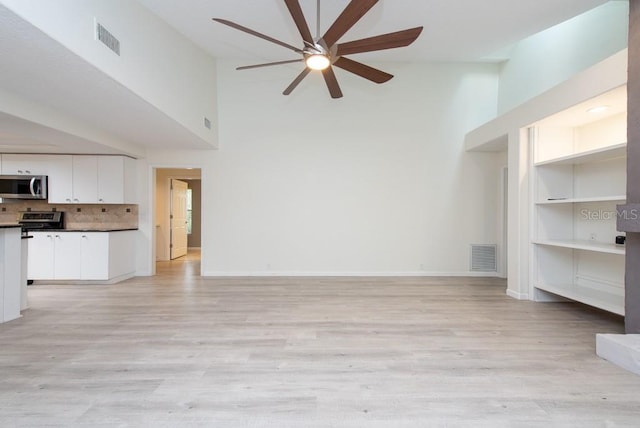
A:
(61, 179)
(40, 256)
(16, 164)
(111, 179)
(94, 256)
(122, 253)
(85, 179)
(130, 181)
(66, 260)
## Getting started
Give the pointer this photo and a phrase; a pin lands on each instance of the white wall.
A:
(546, 59)
(375, 183)
(156, 62)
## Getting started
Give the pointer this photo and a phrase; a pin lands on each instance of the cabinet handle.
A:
(84, 236)
(57, 236)
(27, 171)
(100, 200)
(75, 200)
(20, 171)
(68, 200)
(48, 236)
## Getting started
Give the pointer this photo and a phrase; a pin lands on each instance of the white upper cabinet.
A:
(61, 179)
(116, 180)
(17, 164)
(91, 179)
(85, 179)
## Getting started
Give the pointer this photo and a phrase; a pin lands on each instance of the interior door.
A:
(178, 219)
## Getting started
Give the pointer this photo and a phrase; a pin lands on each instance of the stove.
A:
(41, 220)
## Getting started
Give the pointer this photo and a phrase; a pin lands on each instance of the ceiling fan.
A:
(323, 52)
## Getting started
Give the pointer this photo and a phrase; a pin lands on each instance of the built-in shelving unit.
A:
(618, 198)
(578, 176)
(595, 155)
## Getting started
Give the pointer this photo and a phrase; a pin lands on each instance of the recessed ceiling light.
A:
(598, 109)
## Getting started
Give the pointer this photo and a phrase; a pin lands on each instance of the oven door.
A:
(23, 186)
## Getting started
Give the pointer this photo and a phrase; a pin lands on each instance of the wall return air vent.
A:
(108, 39)
(483, 258)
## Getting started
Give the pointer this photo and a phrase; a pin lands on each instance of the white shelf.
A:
(616, 198)
(606, 153)
(584, 246)
(583, 296)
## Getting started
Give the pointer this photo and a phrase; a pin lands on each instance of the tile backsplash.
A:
(77, 216)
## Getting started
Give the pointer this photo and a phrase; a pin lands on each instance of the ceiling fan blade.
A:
(397, 39)
(347, 19)
(297, 81)
(268, 64)
(255, 33)
(362, 70)
(298, 17)
(332, 82)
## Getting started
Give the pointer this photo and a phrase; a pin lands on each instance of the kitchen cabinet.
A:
(66, 252)
(17, 164)
(61, 179)
(116, 180)
(53, 255)
(82, 256)
(40, 256)
(94, 252)
(89, 179)
(85, 179)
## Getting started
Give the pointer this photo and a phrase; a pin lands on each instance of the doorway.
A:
(177, 213)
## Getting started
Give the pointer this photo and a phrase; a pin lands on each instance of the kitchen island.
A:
(10, 271)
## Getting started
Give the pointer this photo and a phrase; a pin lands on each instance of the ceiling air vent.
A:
(108, 39)
(483, 258)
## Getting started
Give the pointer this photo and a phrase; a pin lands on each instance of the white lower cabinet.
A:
(81, 256)
(40, 256)
(94, 254)
(66, 255)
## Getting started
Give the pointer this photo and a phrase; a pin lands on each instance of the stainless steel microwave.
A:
(23, 186)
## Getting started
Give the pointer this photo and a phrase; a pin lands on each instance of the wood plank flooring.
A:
(179, 350)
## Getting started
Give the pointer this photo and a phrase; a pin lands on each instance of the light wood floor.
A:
(179, 350)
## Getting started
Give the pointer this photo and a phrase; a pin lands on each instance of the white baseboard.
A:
(518, 296)
(215, 274)
(623, 350)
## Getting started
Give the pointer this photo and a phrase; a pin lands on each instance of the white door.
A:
(178, 219)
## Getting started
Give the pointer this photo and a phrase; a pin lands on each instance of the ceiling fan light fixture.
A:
(318, 62)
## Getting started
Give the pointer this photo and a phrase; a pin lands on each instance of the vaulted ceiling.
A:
(40, 69)
(454, 30)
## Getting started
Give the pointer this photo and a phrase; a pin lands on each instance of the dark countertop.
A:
(81, 230)
(8, 226)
